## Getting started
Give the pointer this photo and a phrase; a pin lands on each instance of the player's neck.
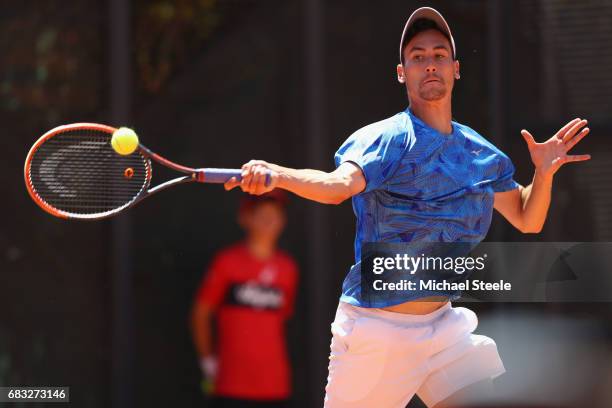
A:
(436, 115)
(260, 248)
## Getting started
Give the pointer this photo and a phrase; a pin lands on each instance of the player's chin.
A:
(432, 91)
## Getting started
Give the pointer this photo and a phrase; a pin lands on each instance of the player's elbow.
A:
(340, 190)
(342, 195)
(531, 228)
(200, 314)
(336, 199)
(343, 183)
(194, 318)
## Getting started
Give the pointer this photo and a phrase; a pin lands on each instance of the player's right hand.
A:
(209, 366)
(255, 173)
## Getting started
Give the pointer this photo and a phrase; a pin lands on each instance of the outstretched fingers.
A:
(528, 137)
(566, 127)
(574, 140)
(573, 130)
(577, 158)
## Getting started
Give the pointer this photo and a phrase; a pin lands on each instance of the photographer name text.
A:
(442, 285)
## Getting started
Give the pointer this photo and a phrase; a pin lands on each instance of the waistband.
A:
(394, 316)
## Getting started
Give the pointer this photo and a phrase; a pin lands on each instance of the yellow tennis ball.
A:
(124, 141)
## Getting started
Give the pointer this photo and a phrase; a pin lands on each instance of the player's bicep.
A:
(351, 175)
(510, 205)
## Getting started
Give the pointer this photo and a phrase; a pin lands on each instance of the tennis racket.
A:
(73, 172)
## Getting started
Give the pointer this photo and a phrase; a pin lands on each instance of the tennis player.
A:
(419, 177)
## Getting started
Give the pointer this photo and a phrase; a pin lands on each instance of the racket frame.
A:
(191, 174)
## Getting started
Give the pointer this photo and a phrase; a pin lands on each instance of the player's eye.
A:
(417, 58)
(440, 56)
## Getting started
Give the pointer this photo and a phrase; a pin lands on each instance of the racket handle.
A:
(217, 176)
(220, 176)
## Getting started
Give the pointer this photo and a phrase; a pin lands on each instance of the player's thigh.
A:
(468, 365)
(370, 365)
(356, 363)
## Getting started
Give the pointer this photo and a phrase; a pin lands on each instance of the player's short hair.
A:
(420, 25)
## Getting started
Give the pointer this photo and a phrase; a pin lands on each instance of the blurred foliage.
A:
(54, 54)
(167, 32)
(51, 57)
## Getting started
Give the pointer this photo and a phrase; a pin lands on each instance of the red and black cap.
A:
(249, 201)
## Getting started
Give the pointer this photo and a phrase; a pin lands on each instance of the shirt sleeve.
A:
(215, 284)
(293, 274)
(505, 181)
(376, 151)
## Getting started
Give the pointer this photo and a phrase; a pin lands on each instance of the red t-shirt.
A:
(253, 298)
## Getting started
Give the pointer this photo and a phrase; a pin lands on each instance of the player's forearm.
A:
(535, 203)
(316, 185)
(203, 343)
(201, 331)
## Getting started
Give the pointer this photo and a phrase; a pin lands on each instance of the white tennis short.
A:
(380, 359)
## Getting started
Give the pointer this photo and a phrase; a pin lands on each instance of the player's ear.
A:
(400, 74)
(457, 71)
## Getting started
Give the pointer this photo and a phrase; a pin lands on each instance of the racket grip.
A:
(220, 176)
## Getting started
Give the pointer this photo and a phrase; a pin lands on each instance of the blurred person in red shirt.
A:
(250, 289)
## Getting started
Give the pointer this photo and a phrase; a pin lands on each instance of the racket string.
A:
(78, 172)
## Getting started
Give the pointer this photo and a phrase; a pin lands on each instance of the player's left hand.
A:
(549, 156)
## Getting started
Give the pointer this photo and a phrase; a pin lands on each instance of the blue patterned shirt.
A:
(421, 186)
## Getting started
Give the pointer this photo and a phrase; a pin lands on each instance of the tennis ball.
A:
(124, 141)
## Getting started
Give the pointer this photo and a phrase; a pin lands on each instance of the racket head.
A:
(73, 172)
